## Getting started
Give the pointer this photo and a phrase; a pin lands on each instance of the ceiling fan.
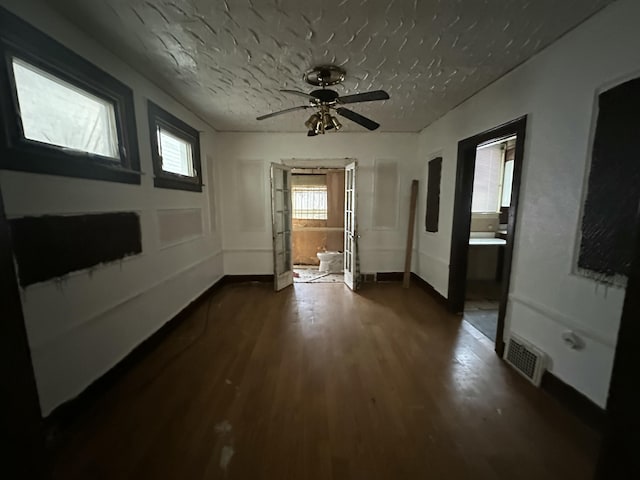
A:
(324, 101)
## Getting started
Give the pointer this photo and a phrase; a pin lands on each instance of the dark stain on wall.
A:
(613, 194)
(49, 247)
(433, 195)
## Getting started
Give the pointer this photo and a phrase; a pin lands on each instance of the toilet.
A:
(331, 262)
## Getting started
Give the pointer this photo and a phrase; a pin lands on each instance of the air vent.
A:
(526, 359)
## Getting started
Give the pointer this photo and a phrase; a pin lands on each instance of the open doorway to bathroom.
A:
(488, 177)
(490, 203)
(318, 215)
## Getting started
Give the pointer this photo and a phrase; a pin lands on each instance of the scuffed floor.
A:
(313, 275)
(317, 382)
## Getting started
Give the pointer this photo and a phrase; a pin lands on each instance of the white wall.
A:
(245, 160)
(557, 90)
(80, 327)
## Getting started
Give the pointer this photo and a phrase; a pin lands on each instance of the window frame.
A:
(159, 117)
(21, 40)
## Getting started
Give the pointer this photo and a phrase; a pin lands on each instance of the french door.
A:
(351, 266)
(281, 225)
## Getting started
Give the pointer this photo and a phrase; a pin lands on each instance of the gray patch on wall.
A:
(611, 205)
(51, 246)
(250, 196)
(179, 225)
(385, 200)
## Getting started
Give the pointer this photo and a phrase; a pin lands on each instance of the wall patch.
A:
(51, 246)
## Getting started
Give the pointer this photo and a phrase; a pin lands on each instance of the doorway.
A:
(314, 224)
(317, 202)
(490, 202)
(484, 224)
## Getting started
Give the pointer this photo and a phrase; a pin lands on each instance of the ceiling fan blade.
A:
(364, 97)
(286, 110)
(300, 94)
(359, 119)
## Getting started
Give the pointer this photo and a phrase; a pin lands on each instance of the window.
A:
(507, 183)
(63, 115)
(57, 113)
(487, 180)
(493, 176)
(309, 202)
(175, 151)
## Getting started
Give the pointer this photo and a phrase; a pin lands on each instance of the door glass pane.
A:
(287, 245)
(279, 201)
(278, 179)
(280, 263)
(287, 220)
(279, 222)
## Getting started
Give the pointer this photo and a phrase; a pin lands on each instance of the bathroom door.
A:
(281, 225)
(351, 266)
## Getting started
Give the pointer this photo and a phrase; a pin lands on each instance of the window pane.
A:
(176, 153)
(309, 203)
(486, 180)
(507, 184)
(58, 113)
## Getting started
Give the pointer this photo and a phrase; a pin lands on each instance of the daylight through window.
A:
(487, 180)
(176, 153)
(57, 113)
(309, 202)
(175, 149)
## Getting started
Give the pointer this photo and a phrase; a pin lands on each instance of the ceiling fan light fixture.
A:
(327, 122)
(313, 122)
(324, 100)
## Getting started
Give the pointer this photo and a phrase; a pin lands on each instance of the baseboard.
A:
(63, 416)
(574, 401)
(389, 276)
(429, 289)
(267, 278)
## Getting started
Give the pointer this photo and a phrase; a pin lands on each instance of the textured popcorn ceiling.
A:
(227, 59)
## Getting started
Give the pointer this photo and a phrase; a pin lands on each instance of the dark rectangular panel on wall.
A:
(433, 195)
(50, 246)
(606, 247)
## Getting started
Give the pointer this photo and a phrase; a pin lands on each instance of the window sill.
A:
(68, 167)
(177, 184)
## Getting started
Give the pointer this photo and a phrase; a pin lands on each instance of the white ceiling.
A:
(227, 59)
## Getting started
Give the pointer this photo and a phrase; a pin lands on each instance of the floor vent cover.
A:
(526, 359)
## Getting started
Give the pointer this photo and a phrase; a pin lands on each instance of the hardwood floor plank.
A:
(318, 382)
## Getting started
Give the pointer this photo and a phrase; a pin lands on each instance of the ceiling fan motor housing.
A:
(325, 75)
(325, 96)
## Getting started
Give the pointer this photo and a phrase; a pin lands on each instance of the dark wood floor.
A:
(319, 383)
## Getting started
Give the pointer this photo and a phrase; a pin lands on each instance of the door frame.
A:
(21, 416)
(462, 218)
(324, 163)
